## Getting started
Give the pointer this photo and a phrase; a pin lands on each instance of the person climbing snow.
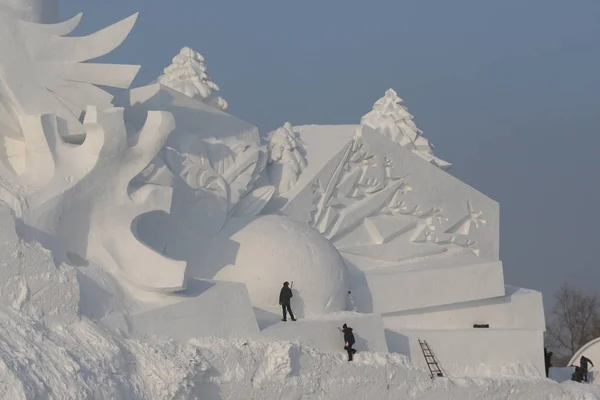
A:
(583, 363)
(348, 340)
(285, 298)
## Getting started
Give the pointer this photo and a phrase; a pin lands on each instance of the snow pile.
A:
(188, 75)
(81, 361)
(393, 120)
(30, 282)
(283, 370)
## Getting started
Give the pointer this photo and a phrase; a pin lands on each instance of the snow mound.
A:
(81, 361)
(29, 279)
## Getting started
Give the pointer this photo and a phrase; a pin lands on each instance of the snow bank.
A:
(29, 279)
(282, 370)
(82, 361)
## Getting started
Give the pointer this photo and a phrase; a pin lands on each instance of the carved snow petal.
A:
(79, 49)
(58, 29)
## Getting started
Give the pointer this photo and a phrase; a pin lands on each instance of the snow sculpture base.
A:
(207, 308)
(322, 333)
(519, 309)
(475, 351)
(427, 284)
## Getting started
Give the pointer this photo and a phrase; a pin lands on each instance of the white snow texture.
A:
(144, 239)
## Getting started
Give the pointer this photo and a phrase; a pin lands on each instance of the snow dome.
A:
(274, 249)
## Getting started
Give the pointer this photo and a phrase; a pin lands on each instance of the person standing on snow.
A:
(348, 340)
(583, 363)
(285, 297)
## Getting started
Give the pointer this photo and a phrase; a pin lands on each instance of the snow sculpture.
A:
(166, 205)
(393, 120)
(188, 75)
(46, 72)
(57, 171)
(286, 158)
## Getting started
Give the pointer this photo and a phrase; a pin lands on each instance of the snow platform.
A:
(208, 308)
(518, 309)
(322, 332)
(430, 283)
(475, 352)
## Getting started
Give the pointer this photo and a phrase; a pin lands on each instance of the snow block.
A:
(429, 283)
(475, 352)
(322, 333)
(207, 308)
(519, 309)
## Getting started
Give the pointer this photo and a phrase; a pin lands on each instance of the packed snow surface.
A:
(83, 361)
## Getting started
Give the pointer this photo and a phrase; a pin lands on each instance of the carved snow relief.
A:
(287, 158)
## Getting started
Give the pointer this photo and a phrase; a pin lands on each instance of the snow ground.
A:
(83, 361)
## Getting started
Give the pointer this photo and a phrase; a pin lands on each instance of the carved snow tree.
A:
(575, 320)
(188, 75)
(390, 117)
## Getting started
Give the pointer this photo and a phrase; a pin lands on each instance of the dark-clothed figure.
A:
(577, 375)
(547, 360)
(583, 363)
(285, 297)
(348, 341)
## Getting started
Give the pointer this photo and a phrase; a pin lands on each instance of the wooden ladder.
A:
(431, 360)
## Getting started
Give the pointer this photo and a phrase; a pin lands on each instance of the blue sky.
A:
(507, 91)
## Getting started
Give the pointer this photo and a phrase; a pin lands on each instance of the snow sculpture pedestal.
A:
(322, 333)
(426, 284)
(475, 352)
(206, 308)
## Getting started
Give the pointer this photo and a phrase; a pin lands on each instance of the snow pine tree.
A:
(188, 75)
(392, 119)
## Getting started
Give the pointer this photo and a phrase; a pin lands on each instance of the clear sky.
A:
(508, 91)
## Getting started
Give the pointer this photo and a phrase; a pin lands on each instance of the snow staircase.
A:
(430, 359)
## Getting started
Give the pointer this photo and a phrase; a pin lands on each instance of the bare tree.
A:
(575, 320)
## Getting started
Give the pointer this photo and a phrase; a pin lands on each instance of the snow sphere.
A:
(274, 249)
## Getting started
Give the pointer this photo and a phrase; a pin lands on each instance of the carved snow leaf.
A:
(357, 212)
(241, 174)
(253, 203)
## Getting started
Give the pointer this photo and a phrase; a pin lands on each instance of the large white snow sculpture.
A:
(161, 200)
(188, 74)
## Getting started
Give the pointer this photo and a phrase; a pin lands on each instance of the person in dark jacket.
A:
(285, 297)
(348, 341)
(583, 363)
(547, 361)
